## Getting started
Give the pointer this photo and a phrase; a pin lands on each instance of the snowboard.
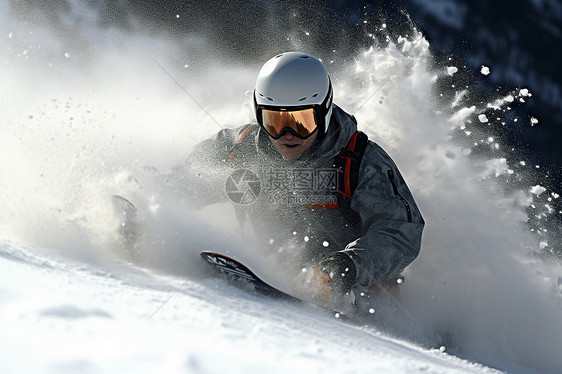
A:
(242, 275)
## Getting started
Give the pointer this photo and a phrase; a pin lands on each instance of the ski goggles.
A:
(301, 123)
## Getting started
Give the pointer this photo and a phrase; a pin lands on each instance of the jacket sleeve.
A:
(391, 221)
(202, 177)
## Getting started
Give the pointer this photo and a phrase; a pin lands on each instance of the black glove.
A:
(341, 270)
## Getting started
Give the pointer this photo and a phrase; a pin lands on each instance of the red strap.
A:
(347, 177)
(244, 133)
(321, 206)
(233, 154)
(351, 144)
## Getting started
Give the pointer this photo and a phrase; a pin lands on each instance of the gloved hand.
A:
(341, 272)
(331, 279)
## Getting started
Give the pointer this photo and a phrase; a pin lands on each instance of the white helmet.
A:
(294, 81)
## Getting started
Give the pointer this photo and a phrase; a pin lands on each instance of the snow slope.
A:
(63, 315)
(90, 111)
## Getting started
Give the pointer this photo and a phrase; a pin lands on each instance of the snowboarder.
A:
(314, 188)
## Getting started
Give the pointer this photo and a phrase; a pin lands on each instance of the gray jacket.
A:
(292, 203)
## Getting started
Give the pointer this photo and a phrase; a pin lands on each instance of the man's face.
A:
(291, 147)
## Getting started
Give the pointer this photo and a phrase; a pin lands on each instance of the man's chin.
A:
(290, 152)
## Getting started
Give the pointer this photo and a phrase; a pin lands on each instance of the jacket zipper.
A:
(397, 194)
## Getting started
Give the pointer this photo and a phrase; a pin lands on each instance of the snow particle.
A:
(482, 118)
(485, 70)
(271, 241)
(372, 311)
(534, 121)
(67, 55)
(442, 349)
(451, 70)
(306, 238)
(325, 243)
(537, 190)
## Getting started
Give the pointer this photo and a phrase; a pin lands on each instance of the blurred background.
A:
(518, 41)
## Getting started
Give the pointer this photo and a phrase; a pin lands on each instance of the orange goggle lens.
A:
(302, 122)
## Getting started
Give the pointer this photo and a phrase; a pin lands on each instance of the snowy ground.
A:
(62, 315)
